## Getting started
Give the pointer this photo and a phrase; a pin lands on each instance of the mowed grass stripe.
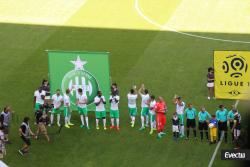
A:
(211, 16)
(104, 14)
(160, 11)
(43, 12)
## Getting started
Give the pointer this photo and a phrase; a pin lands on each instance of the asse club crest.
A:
(80, 78)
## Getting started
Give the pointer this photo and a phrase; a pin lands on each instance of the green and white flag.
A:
(73, 70)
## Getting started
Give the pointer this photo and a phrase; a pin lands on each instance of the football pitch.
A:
(166, 45)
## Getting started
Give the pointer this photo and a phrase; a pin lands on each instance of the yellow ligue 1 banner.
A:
(232, 74)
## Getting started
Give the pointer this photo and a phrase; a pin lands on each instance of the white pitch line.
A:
(151, 21)
(218, 145)
(216, 150)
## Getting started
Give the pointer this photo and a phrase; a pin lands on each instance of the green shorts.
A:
(152, 117)
(132, 111)
(144, 111)
(114, 113)
(66, 111)
(56, 111)
(82, 111)
(181, 118)
(100, 114)
(37, 106)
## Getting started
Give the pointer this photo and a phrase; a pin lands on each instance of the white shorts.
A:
(175, 128)
(210, 85)
(236, 132)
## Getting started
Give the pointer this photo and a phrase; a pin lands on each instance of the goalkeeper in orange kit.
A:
(160, 109)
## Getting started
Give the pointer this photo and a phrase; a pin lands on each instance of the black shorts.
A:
(26, 140)
(191, 123)
(203, 125)
(222, 126)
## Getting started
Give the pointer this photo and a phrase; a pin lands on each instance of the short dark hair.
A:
(26, 119)
(132, 91)
(221, 106)
(210, 69)
(44, 80)
(152, 97)
(114, 84)
(213, 115)
(67, 91)
(80, 90)
(146, 91)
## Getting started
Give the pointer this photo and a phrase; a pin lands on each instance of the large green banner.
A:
(73, 70)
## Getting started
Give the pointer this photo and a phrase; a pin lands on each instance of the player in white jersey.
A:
(132, 96)
(39, 96)
(180, 106)
(82, 101)
(100, 112)
(145, 98)
(57, 101)
(67, 110)
(114, 110)
(152, 114)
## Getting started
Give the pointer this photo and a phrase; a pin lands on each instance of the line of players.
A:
(216, 124)
(63, 101)
(151, 112)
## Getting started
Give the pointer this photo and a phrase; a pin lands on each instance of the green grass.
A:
(167, 63)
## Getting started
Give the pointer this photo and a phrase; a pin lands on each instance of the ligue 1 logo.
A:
(80, 78)
(235, 65)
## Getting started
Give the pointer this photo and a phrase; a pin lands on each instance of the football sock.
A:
(117, 122)
(207, 135)
(66, 120)
(201, 133)
(69, 118)
(82, 119)
(87, 121)
(104, 122)
(147, 119)
(51, 118)
(159, 135)
(182, 130)
(58, 118)
(151, 124)
(97, 122)
(219, 133)
(214, 138)
(112, 121)
(133, 119)
(194, 132)
(142, 121)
